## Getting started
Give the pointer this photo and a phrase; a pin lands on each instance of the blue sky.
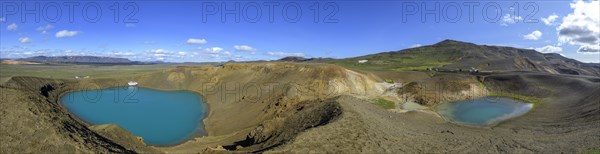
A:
(178, 31)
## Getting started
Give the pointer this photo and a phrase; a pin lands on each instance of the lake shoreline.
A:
(486, 112)
(138, 95)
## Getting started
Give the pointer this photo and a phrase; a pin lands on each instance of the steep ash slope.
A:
(265, 97)
(34, 122)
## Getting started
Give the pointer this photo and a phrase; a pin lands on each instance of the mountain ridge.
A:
(77, 59)
(84, 60)
(456, 55)
(446, 55)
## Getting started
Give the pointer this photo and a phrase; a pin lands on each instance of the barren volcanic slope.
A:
(281, 107)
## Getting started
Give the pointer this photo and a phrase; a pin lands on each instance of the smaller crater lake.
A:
(161, 118)
(486, 111)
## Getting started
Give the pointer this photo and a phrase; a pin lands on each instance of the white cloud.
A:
(285, 54)
(215, 54)
(213, 50)
(23, 54)
(550, 20)
(158, 54)
(589, 49)
(549, 49)
(121, 53)
(158, 51)
(129, 25)
(24, 40)
(150, 42)
(415, 45)
(82, 52)
(196, 41)
(12, 26)
(581, 27)
(66, 33)
(3, 19)
(44, 28)
(510, 19)
(244, 48)
(535, 35)
(227, 53)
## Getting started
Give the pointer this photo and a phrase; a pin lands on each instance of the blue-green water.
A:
(484, 111)
(161, 118)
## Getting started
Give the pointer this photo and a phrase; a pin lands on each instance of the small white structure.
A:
(132, 83)
(363, 61)
(473, 70)
(82, 77)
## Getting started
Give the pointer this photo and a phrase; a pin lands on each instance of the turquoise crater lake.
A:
(486, 111)
(161, 118)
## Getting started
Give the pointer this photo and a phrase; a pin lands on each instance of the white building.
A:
(132, 83)
(473, 70)
(363, 61)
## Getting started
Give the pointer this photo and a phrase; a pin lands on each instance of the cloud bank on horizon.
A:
(257, 30)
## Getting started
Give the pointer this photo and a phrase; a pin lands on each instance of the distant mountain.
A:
(79, 59)
(292, 59)
(455, 55)
(16, 62)
(302, 59)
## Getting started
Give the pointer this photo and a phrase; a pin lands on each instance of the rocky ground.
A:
(365, 128)
(33, 122)
(311, 108)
